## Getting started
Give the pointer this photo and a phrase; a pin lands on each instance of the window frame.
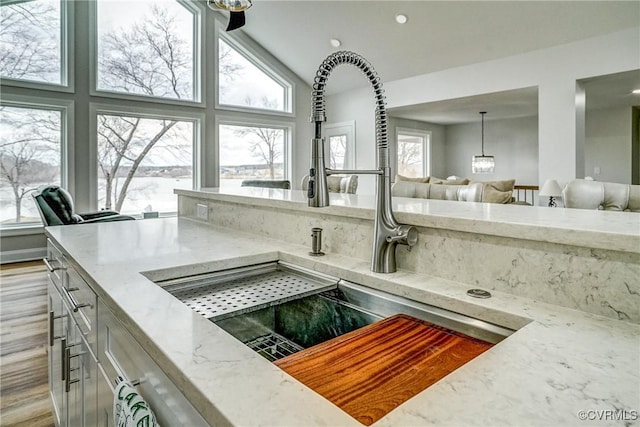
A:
(67, 149)
(199, 85)
(197, 118)
(426, 147)
(242, 47)
(67, 56)
(235, 120)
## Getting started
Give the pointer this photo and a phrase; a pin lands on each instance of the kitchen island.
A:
(562, 366)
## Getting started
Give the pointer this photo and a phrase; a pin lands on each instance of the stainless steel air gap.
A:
(387, 233)
(316, 242)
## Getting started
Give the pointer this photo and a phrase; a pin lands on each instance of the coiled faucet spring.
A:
(318, 96)
(388, 232)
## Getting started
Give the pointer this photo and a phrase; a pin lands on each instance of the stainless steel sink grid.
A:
(273, 346)
(228, 293)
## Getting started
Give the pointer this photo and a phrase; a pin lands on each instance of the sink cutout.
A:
(365, 350)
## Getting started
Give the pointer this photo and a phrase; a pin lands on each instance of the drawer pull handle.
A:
(63, 365)
(49, 266)
(68, 380)
(52, 338)
(63, 358)
(73, 301)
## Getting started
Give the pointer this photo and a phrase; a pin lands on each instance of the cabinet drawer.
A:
(82, 305)
(119, 354)
(56, 264)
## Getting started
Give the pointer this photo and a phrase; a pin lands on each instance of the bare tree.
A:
(26, 153)
(227, 66)
(337, 151)
(151, 59)
(267, 144)
(122, 149)
(409, 154)
(148, 58)
(27, 48)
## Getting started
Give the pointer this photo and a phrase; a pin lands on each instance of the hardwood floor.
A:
(24, 388)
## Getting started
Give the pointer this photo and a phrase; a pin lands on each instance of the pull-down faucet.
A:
(387, 233)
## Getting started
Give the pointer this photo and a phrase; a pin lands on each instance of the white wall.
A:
(608, 144)
(554, 71)
(513, 143)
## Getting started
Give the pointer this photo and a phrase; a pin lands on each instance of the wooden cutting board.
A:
(374, 369)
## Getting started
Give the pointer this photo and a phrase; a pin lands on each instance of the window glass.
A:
(141, 161)
(241, 83)
(411, 155)
(30, 41)
(337, 151)
(30, 153)
(248, 152)
(146, 48)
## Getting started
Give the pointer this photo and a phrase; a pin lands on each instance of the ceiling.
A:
(438, 35)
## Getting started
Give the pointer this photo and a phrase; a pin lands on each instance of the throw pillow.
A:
(423, 180)
(498, 191)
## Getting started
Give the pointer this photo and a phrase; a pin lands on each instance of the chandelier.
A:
(482, 163)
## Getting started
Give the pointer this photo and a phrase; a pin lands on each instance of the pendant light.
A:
(482, 163)
(236, 10)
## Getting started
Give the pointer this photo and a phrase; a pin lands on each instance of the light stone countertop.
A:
(558, 363)
(619, 231)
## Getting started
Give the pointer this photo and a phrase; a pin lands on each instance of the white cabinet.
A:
(72, 361)
(120, 355)
(57, 343)
(90, 348)
(80, 381)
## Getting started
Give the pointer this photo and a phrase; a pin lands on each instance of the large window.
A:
(413, 153)
(31, 42)
(140, 105)
(252, 152)
(244, 82)
(141, 160)
(30, 156)
(147, 48)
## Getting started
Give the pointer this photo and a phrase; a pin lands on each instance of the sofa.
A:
(337, 183)
(608, 196)
(461, 189)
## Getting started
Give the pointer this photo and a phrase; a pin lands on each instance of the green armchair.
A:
(56, 208)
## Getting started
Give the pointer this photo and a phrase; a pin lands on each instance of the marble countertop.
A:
(611, 230)
(560, 361)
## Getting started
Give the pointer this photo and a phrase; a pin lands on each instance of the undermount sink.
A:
(278, 309)
(365, 350)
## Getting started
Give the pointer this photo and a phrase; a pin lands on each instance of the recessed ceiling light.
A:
(401, 19)
(335, 42)
(636, 91)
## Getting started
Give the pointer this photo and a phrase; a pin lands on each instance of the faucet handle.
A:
(404, 235)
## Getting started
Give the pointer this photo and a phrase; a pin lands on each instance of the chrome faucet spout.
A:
(387, 232)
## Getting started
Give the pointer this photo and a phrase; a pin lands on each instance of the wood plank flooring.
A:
(24, 388)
